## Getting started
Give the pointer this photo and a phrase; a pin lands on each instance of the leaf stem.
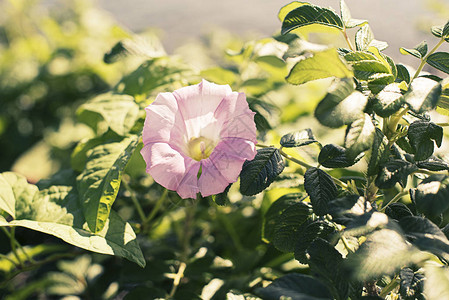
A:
(13, 243)
(394, 200)
(299, 162)
(125, 180)
(424, 59)
(348, 41)
(389, 287)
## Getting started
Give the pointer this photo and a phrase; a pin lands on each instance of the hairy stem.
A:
(424, 59)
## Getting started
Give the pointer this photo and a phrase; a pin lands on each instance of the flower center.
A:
(200, 148)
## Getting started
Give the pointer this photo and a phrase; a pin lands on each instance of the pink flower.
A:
(197, 138)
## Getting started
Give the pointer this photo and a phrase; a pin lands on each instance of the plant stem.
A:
(13, 242)
(348, 41)
(424, 59)
(125, 180)
(389, 287)
(394, 200)
(442, 124)
(289, 157)
(157, 207)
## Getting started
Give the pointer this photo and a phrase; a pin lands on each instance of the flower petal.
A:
(170, 168)
(163, 122)
(237, 147)
(211, 181)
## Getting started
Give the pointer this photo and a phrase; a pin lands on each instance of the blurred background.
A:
(51, 55)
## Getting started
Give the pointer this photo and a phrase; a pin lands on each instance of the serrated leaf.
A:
(384, 252)
(296, 287)
(259, 173)
(423, 95)
(359, 136)
(309, 14)
(411, 283)
(348, 21)
(445, 32)
(388, 101)
(309, 232)
(364, 38)
(440, 61)
(288, 224)
(403, 73)
(421, 135)
(99, 183)
(298, 138)
(397, 211)
(344, 209)
(9, 191)
(433, 163)
(271, 216)
(321, 189)
(418, 51)
(342, 105)
(394, 171)
(334, 156)
(326, 261)
(430, 197)
(56, 211)
(379, 153)
(109, 111)
(321, 65)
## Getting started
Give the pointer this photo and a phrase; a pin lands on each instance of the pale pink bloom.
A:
(197, 138)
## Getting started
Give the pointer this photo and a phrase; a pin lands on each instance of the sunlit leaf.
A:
(388, 101)
(359, 136)
(394, 171)
(364, 38)
(334, 156)
(145, 47)
(440, 61)
(99, 183)
(298, 139)
(418, 51)
(433, 163)
(348, 21)
(436, 285)
(430, 197)
(321, 65)
(403, 73)
(423, 95)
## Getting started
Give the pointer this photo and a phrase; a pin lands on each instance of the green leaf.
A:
(146, 47)
(433, 163)
(440, 61)
(430, 197)
(344, 209)
(99, 183)
(439, 31)
(323, 64)
(379, 153)
(298, 138)
(219, 75)
(411, 284)
(421, 135)
(295, 286)
(388, 101)
(11, 187)
(436, 285)
(423, 95)
(348, 21)
(403, 73)
(397, 211)
(364, 39)
(334, 156)
(368, 67)
(287, 225)
(359, 136)
(309, 232)
(394, 171)
(418, 51)
(259, 173)
(109, 111)
(327, 262)
(309, 14)
(342, 105)
(383, 253)
(270, 218)
(57, 211)
(445, 32)
(321, 189)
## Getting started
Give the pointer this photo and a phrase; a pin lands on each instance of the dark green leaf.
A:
(419, 51)
(445, 32)
(440, 61)
(99, 183)
(322, 64)
(364, 38)
(222, 198)
(259, 173)
(334, 156)
(296, 287)
(411, 285)
(403, 73)
(343, 210)
(288, 224)
(298, 139)
(432, 194)
(433, 163)
(309, 232)
(321, 189)
(342, 105)
(271, 216)
(388, 101)
(379, 153)
(423, 95)
(394, 171)
(308, 15)
(326, 261)
(421, 135)
(359, 136)
(397, 211)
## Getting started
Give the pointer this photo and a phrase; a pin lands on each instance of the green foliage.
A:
(298, 139)
(321, 189)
